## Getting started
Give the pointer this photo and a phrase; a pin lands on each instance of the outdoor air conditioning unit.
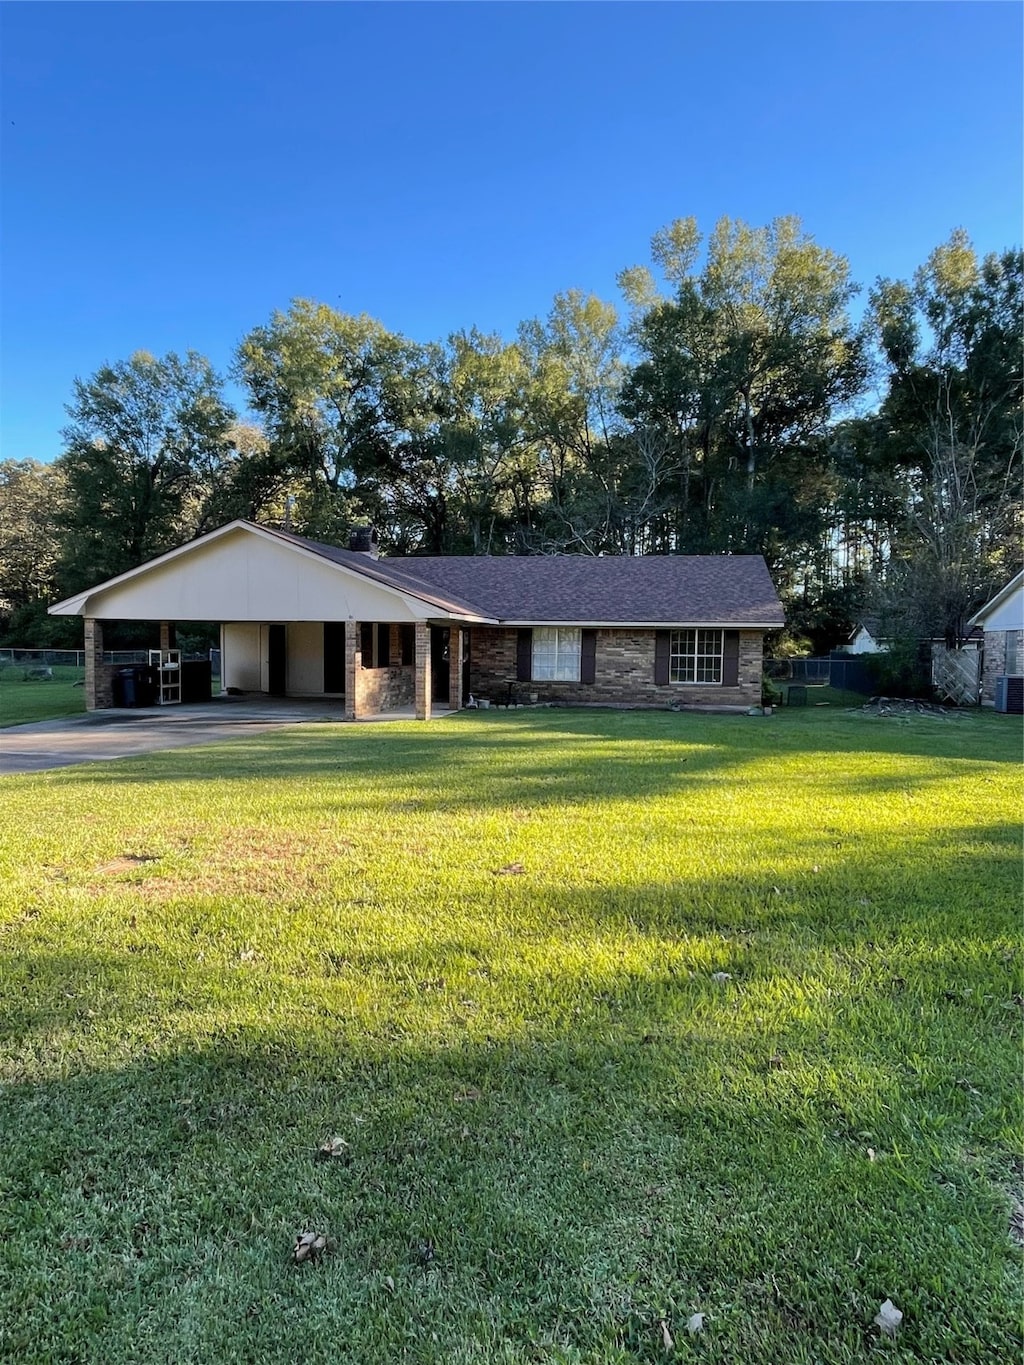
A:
(1010, 694)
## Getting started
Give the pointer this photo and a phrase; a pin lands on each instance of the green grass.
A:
(482, 951)
(30, 699)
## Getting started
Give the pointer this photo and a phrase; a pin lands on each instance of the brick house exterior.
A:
(300, 618)
(1002, 621)
(624, 673)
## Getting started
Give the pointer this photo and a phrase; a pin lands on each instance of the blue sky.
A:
(172, 173)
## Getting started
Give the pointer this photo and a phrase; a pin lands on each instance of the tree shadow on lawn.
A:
(497, 1200)
(473, 764)
(602, 1137)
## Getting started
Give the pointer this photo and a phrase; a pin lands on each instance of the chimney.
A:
(363, 541)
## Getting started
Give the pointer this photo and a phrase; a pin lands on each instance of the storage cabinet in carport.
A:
(135, 686)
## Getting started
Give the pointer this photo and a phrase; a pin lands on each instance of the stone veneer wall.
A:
(624, 673)
(996, 658)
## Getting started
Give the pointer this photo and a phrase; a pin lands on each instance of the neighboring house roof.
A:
(651, 590)
(1001, 599)
(723, 590)
(870, 625)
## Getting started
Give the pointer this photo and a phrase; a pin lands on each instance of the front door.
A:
(276, 660)
(440, 656)
(334, 657)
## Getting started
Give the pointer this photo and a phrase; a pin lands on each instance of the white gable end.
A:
(246, 576)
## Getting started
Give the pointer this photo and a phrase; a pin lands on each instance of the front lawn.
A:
(24, 698)
(618, 1018)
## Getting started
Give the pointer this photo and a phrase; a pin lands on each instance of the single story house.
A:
(866, 638)
(299, 618)
(1002, 621)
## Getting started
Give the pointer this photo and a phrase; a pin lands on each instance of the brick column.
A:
(168, 636)
(352, 663)
(455, 669)
(98, 692)
(422, 671)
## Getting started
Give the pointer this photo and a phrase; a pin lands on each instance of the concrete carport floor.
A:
(124, 734)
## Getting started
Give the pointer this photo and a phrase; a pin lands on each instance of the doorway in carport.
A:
(277, 660)
(334, 657)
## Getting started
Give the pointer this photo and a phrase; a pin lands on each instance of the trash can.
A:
(124, 687)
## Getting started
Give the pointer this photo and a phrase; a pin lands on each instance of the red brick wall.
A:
(624, 674)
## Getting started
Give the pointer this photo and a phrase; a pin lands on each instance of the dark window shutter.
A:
(524, 655)
(366, 643)
(588, 656)
(662, 644)
(383, 644)
(731, 658)
(408, 645)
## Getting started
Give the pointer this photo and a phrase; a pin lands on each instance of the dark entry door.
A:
(466, 642)
(440, 645)
(334, 656)
(276, 660)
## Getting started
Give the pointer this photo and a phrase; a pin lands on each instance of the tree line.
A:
(732, 404)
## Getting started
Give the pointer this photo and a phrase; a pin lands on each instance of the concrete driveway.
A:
(123, 734)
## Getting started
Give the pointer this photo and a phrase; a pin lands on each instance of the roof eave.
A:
(703, 624)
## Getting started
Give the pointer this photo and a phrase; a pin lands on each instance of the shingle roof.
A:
(719, 590)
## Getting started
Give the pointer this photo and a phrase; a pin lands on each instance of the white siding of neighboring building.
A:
(865, 643)
(1008, 615)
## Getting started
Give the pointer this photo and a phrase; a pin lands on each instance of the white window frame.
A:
(555, 653)
(695, 657)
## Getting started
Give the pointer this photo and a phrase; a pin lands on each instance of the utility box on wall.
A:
(1010, 694)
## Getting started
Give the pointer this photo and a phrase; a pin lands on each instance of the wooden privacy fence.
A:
(956, 675)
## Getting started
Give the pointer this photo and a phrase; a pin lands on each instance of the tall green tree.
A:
(951, 426)
(744, 360)
(147, 447)
(334, 393)
(32, 517)
(574, 376)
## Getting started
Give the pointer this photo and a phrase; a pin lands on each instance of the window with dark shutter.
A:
(588, 657)
(524, 654)
(731, 658)
(662, 649)
(366, 643)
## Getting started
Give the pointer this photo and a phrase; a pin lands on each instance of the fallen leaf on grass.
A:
(888, 1318)
(389, 1283)
(510, 870)
(466, 1096)
(695, 1325)
(332, 1148)
(309, 1246)
(666, 1336)
(965, 1084)
(721, 976)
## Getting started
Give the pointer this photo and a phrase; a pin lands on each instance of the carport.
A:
(297, 619)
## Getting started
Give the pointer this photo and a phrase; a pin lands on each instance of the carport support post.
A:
(455, 669)
(422, 671)
(168, 636)
(351, 667)
(99, 694)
